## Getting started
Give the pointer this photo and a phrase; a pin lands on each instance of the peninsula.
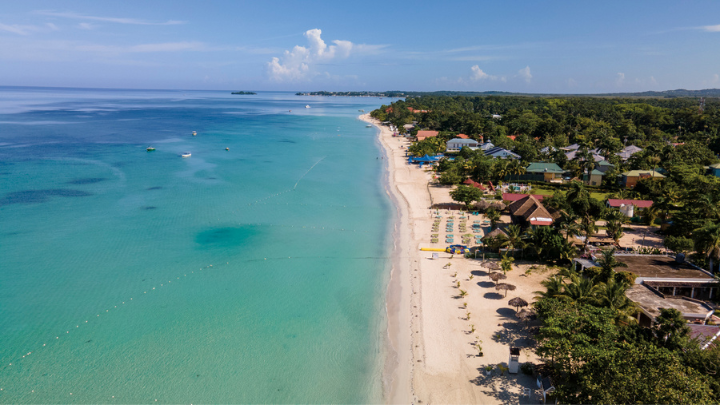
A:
(243, 92)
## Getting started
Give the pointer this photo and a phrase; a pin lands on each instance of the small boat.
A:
(368, 126)
(227, 148)
(150, 149)
(186, 154)
(194, 133)
(307, 106)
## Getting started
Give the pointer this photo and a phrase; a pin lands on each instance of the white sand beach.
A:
(432, 355)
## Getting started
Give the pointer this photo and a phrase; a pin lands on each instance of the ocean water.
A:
(250, 275)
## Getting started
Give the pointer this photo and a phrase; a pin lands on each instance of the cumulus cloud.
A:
(620, 79)
(525, 74)
(478, 74)
(297, 64)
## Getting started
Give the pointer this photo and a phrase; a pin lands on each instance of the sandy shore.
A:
(432, 356)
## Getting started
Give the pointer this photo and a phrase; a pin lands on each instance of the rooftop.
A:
(463, 136)
(638, 203)
(426, 134)
(638, 173)
(516, 196)
(660, 266)
(704, 334)
(541, 167)
(650, 302)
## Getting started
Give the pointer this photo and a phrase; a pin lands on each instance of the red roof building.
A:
(516, 196)
(512, 137)
(637, 203)
(530, 210)
(475, 184)
(463, 136)
(421, 135)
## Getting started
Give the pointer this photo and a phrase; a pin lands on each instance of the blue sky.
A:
(525, 46)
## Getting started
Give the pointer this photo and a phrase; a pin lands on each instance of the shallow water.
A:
(250, 275)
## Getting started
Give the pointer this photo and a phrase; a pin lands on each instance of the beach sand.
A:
(432, 357)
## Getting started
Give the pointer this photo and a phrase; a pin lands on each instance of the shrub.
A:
(527, 368)
(625, 276)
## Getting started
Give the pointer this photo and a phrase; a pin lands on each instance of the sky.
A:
(519, 46)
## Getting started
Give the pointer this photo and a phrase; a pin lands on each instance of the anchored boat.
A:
(186, 154)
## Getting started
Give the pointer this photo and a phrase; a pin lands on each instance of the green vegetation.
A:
(597, 353)
(244, 92)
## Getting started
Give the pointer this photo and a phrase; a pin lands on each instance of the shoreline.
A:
(398, 368)
(430, 352)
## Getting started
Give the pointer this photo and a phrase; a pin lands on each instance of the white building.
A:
(455, 144)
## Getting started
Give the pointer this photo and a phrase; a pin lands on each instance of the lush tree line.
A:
(597, 353)
(677, 139)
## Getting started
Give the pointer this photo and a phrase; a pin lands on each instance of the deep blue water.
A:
(255, 274)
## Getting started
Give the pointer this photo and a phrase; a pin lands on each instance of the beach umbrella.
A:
(506, 287)
(517, 302)
(525, 315)
(491, 265)
(497, 277)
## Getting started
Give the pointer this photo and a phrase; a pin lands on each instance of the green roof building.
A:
(544, 171)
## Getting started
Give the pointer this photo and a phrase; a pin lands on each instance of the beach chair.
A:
(449, 240)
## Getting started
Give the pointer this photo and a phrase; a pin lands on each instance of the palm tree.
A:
(567, 251)
(614, 222)
(651, 213)
(580, 289)
(589, 228)
(608, 262)
(612, 295)
(578, 197)
(506, 263)
(568, 224)
(493, 216)
(514, 236)
(554, 286)
(707, 240)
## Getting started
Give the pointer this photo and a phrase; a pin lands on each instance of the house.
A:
(594, 178)
(486, 146)
(628, 151)
(475, 184)
(604, 166)
(512, 137)
(496, 233)
(501, 153)
(463, 136)
(595, 154)
(515, 196)
(530, 211)
(630, 179)
(496, 116)
(456, 144)
(715, 169)
(628, 207)
(541, 171)
(705, 335)
(422, 135)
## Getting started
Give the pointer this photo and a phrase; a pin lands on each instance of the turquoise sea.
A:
(250, 275)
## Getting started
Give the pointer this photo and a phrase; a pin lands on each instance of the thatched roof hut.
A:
(517, 302)
(506, 287)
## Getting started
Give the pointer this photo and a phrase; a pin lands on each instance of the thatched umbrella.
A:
(506, 287)
(497, 277)
(525, 315)
(491, 265)
(517, 302)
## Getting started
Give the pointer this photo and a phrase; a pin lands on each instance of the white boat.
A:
(368, 126)
(186, 154)
(307, 106)
(194, 133)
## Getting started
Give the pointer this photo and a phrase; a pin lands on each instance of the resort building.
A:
(456, 144)
(665, 282)
(628, 207)
(628, 151)
(501, 153)
(486, 146)
(604, 166)
(530, 211)
(540, 171)
(630, 179)
(594, 178)
(422, 135)
(705, 335)
(515, 196)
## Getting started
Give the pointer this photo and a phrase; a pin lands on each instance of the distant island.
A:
(355, 93)
(646, 94)
(243, 92)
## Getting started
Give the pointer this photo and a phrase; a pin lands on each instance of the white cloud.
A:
(479, 74)
(19, 29)
(710, 28)
(86, 26)
(571, 82)
(117, 20)
(715, 79)
(620, 79)
(298, 64)
(525, 74)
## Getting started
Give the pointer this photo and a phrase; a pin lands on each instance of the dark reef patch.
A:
(154, 188)
(149, 207)
(87, 180)
(40, 196)
(287, 141)
(224, 236)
